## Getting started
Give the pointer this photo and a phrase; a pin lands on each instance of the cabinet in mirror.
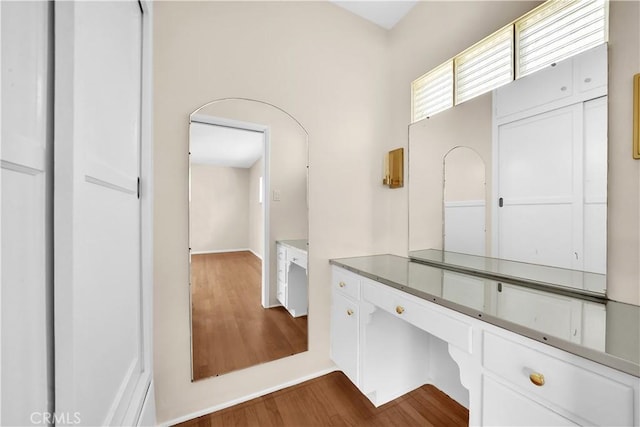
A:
(543, 141)
(247, 193)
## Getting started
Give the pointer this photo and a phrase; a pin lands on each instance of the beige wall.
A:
(347, 81)
(464, 175)
(430, 27)
(327, 68)
(431, 140)
(433, 32)
(623, 248)
(219, 210)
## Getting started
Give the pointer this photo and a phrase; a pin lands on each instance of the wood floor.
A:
(332, 400)
(231, 330)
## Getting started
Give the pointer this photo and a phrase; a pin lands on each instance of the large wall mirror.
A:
(542, 144)
(248, 235)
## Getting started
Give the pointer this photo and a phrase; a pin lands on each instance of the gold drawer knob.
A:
(537, 379)
(342, 284)
(399, 309)
(349, 312)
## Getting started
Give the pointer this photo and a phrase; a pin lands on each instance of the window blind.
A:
(485, 66)
(557, 30)
(433, 92)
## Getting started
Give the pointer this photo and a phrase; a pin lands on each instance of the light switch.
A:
(276, 195)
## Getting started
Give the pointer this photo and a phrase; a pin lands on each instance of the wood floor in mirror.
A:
(332, 400)
(231, 329)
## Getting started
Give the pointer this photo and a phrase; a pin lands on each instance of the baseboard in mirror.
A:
(556, 279)
(246, 398)
(223, 251)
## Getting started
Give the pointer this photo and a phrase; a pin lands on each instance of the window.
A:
(557, 30)
(433, 92)
(485, 66)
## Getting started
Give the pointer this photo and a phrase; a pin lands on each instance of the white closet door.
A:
(100, 367)
(540, 158)
(25, 368)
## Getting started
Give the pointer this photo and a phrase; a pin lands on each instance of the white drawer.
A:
(420, 313)
(581, 392)
(281, 293)
(346, 283)
(280, 274)
(297, 257)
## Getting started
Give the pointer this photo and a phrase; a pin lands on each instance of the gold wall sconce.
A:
(394, 168)
(636, 116)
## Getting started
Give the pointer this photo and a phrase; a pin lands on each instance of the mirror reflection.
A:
(543, 139)
(248, 225)
(464, 202)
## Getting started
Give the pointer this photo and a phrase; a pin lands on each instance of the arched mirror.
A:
(463, 202)
(248, 235)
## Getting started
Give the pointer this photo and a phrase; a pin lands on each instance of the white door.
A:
(25, 213)
(101, 374)
(552, 187)
(540, 205)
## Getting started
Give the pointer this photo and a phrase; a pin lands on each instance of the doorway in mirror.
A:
(247, 191)
(464, 202)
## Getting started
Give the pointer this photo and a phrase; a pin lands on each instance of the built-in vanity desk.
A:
(292, 291)
(512, 354)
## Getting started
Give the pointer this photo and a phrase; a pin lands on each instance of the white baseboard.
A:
(246, 398)
(221, 251)
(256, 254)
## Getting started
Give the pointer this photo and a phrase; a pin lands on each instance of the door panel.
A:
(99, 359)
(539, 160)
(25, 217)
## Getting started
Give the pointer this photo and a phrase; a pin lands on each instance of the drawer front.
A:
(419, 313)
(505, 407)
(346, 283)
(281, 293)
(297, 257)
(588, 395)
(281, 262)
(281, 274)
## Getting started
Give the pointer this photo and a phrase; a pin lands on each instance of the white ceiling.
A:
(385, 13)
(224, 146)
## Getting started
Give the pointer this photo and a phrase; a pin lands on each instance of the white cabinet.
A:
(576, 79)
(345, 312)
(344, 335)
(386, 341)
(381, 355)
(292, 289)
